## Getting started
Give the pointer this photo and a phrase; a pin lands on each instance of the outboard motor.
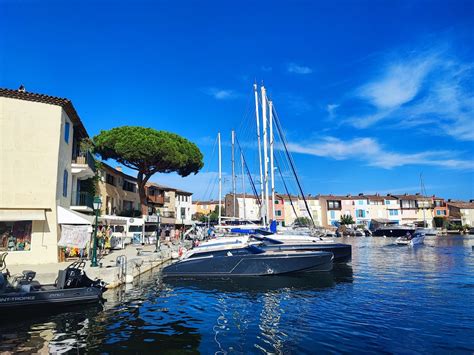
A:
(3, 283)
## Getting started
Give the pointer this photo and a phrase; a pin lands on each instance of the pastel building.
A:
(461, 212)
(332, 209)
(118, 192)
(205, 207)
(183, 208)
(42, 171)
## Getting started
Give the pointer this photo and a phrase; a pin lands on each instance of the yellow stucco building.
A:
(41, 169)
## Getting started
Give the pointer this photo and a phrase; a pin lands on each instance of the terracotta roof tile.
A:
(65, 103)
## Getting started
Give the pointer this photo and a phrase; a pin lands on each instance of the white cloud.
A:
(298, 69)
(430, 90)
(266, 68)
(400, 83)
(221, 94)
(372, 153)
(331, 109)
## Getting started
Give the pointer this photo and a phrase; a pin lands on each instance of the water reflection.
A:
(424, 293)
(257, 285)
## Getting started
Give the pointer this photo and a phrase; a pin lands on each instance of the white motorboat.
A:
(411, 240)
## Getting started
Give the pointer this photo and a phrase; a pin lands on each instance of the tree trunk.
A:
(141, 182)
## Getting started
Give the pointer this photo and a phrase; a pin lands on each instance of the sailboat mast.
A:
(220, 176)
(243, 183)
(265, 150)
(259, 150)
(424, 202)
(272, 167)
(233, 175)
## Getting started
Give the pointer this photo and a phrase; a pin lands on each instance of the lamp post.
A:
(97, 205)
(158, 233)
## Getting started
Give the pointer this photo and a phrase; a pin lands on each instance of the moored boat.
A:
(72, 287)
(250, 260)
(411, 240)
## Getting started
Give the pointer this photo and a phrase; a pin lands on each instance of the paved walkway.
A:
(139, 259)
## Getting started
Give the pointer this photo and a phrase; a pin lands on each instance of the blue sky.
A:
(370, 93)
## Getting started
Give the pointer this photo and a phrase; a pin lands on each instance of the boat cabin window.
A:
(15, 236)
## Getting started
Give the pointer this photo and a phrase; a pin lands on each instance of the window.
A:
(110, 179)
(65, 179)
(334, 204)
(130, 186)
(408, 204)
(127, 205)
(360, 213)
(15, 236)
(276, 202)
(66, 132)
(278, 213)
(393, 212)
(183, 213)
(440, 213)
(387, 202)
(360, 202)
(135, 229)
(333, 215)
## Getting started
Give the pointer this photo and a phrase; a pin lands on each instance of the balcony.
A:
(82, 201)
(167, 217)
(83, 166)
(156, 199)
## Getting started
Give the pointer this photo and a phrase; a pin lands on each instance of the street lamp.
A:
(158, 234)
(97, 204)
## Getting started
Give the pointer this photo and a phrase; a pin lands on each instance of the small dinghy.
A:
(411, 240)
(72, 287)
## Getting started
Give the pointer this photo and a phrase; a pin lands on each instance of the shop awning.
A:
(10, 215)
(67, 216)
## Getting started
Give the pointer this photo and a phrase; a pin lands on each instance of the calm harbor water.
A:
(389, 299)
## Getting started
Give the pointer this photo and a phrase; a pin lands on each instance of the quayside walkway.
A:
(132, 261)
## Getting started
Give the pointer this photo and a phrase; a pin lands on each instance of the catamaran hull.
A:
(17, 301)
(251, 265)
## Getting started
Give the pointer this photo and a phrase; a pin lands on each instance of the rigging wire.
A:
(291, 161)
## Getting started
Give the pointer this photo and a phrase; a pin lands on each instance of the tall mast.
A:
(259, 151)
(243, 182)
(424, 202)
(272, 167)
(265, 150)
(220, 176)
(233, 174)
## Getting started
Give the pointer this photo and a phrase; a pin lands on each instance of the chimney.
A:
(389, 194)
(417, 194)
(472, 200)
(118, 168)
(361, 194)
(449, 200)
(22, 88)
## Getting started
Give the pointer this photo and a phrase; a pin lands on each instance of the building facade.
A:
(183, 208)
(118, 192)
(42, 171)
(461, 212)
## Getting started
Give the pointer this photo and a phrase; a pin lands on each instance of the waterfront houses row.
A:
(48, 179)
(365, 209)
